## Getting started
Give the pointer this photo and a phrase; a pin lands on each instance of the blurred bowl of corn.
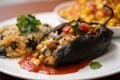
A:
(90, 11)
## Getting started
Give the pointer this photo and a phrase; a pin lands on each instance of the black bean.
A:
(59, 31)
(1, 37)
(13, 45)
(57, 43)
(3, 52)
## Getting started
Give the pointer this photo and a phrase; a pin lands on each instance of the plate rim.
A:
(22, 77)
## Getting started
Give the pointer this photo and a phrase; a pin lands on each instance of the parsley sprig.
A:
(27, 23)
(95, 65)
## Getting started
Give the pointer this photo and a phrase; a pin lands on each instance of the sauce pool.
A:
(29, 66)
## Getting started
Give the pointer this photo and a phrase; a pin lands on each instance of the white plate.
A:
(110, 61)
(115, 29)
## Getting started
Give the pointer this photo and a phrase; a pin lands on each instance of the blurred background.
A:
(13, 8)
(10, 2)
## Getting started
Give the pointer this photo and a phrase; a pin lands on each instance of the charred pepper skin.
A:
(85, 47)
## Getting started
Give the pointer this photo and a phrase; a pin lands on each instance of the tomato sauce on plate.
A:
(29, 66)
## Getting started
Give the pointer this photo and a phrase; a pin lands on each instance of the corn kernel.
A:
(36, 61)
(62, 13)
(41, 57)
(76, 7)
(39, 47)
(83, 16)
(70, 17)
(88, 19)
(116, 11)
(118, 15)
(87, 10)
(99, 15)
(95, 26)
(100, 7)
(82, 1)
(47, 42)
(71, 30)
(67, 12)
(102, 20)
(99, 1)
(118, 6)
(112, 22)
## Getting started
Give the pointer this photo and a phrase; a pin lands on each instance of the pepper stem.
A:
(110, 15)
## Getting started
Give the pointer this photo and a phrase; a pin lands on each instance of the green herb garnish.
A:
(32, 44)
(95, 65)
(27, 23)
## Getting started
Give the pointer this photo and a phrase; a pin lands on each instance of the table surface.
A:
(9, 11)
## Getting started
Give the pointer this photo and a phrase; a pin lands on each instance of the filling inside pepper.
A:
(54, 41)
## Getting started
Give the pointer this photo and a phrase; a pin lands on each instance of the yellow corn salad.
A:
(92, 11)
(39, 60)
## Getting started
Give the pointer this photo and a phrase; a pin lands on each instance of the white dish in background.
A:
(110, 60)
(115, 29)
(62, 6)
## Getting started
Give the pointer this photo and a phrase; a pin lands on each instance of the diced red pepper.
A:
(91, 31)
(66, 28)
(106, 12)
(84, 27)
(92, 7)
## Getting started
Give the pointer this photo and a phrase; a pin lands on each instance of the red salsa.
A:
(29, 66)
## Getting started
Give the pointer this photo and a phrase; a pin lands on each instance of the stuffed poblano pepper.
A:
(74, 42)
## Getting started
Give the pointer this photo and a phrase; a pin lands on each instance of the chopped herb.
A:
(32, 44)
(27, 23)
(76, 27)
(95, 65)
